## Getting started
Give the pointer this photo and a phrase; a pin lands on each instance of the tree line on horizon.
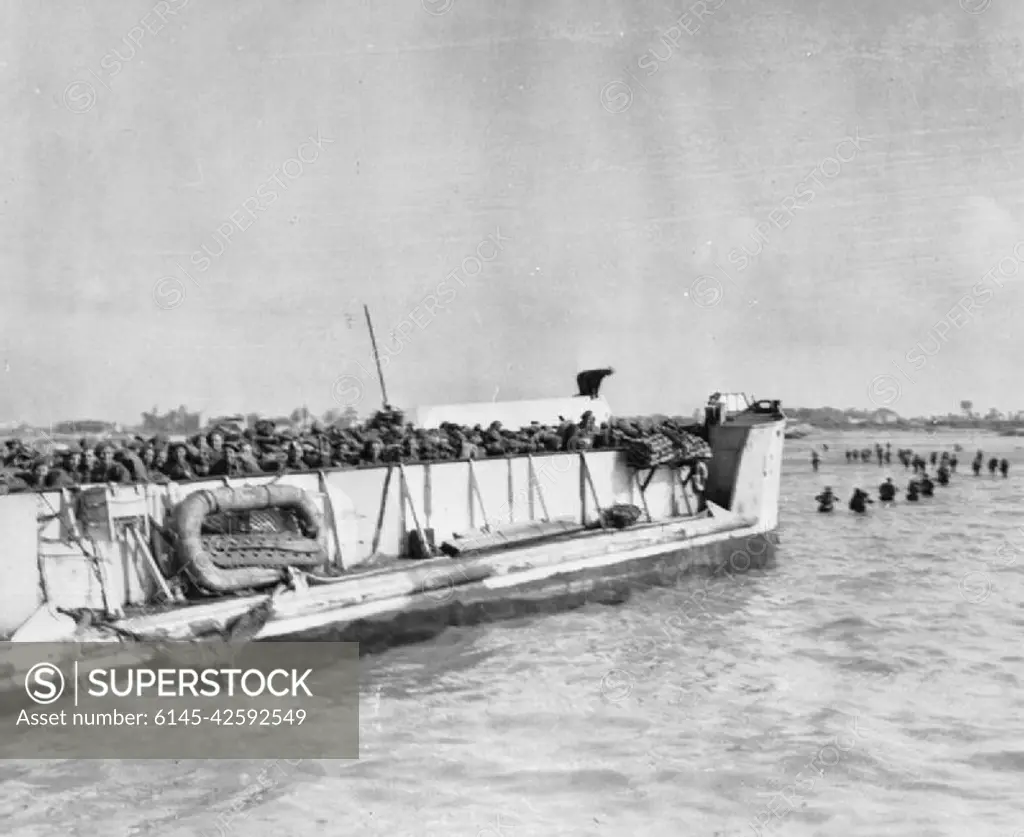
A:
(180, 421)
(835, 417)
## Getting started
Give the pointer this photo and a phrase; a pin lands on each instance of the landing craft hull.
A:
(416, 618)
(404, 601)
(403, 620)
(390, 607)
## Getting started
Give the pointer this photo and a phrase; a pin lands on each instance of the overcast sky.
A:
(782, 197)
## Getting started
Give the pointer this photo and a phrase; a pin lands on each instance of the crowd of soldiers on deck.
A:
(265, 448)
(920, 485)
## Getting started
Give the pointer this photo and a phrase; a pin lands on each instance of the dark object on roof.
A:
(589, 381)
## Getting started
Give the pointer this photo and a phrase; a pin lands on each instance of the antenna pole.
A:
(376, 357)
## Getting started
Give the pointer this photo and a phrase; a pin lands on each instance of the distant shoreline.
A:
(803, 429)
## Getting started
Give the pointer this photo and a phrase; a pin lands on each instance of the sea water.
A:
(868, 683)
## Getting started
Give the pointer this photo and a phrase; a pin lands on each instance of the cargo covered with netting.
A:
(661, 448)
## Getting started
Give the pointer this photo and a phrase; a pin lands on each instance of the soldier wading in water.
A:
(826, 500)
(859, 501)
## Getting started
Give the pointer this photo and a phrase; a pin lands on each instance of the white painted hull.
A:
(412, 599)
(524, 582)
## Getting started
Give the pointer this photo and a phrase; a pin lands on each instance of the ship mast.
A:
(376, 357)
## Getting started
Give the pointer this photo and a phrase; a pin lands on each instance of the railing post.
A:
(682, 487)
(583, 492)
(428, 494)
(407, 498)
(474, 489)
(339, 559)
(643, 494)
(380, 514)
(511, 491)
(534, 483)
(585, 480)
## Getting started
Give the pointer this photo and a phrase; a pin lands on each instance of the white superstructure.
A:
(512, 414)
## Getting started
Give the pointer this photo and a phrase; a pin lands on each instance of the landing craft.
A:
(394, 552)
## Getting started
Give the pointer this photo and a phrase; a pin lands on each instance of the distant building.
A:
(884, 416)
(174, 421)
(86, 427)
